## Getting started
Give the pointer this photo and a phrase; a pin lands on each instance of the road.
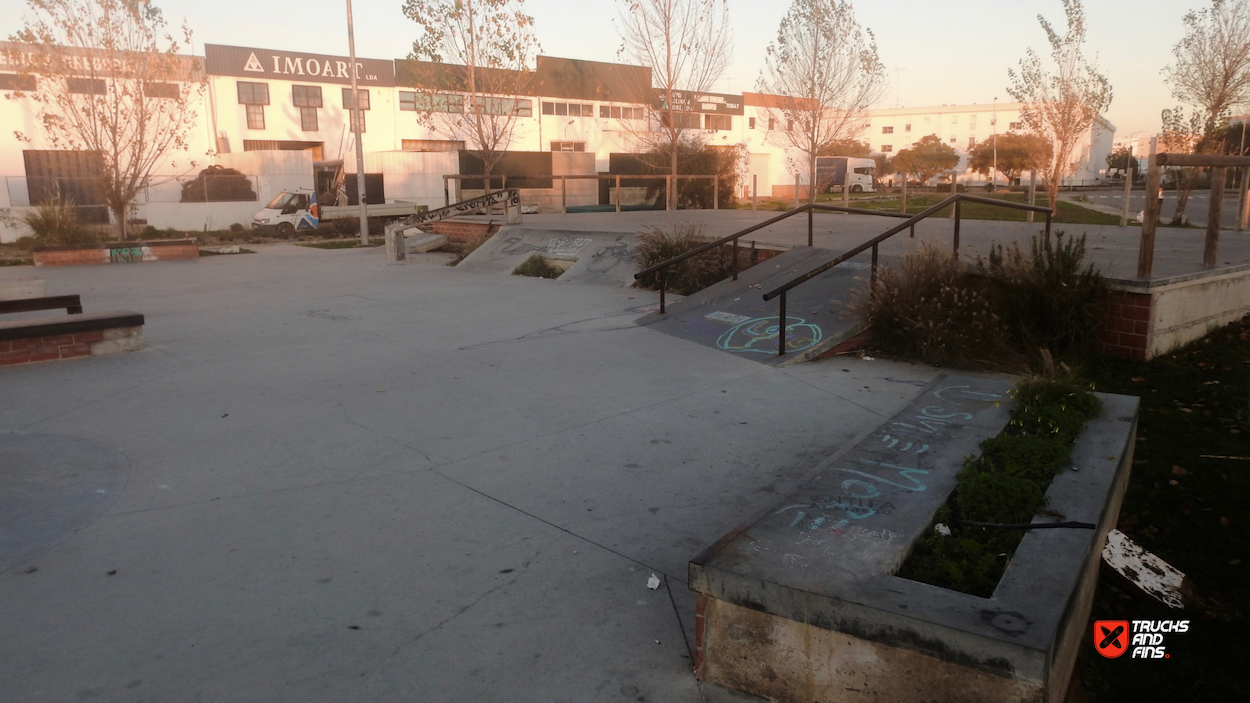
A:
(1199, 202)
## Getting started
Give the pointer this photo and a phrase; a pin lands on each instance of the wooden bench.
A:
(78, 334)
(70, 303)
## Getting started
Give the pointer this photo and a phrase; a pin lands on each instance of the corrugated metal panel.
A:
(264, 163)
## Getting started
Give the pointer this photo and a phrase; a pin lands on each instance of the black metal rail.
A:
(809, 208)
(956, 200)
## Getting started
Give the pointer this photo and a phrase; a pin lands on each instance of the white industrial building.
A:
(272, 114)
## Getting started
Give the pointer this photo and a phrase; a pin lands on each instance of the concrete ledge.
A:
(51, 339)
(807, 606)
(119, 252)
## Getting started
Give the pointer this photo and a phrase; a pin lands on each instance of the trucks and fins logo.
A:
(313, 219)
(253, 64)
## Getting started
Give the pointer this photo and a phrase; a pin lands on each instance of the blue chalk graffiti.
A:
(759, 335)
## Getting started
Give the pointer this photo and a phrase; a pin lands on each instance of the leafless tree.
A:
(1060, 102)
(1211, 73)
(686, 44)
(822, 74)
(106, 78)
(474, 63)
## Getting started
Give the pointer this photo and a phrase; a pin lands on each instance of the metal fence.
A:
(87, 193)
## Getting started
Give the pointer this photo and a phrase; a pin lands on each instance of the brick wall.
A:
(464, 231)
(120, 252)
(1125, 330)
(70, 346)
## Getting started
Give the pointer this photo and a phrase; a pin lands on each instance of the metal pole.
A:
(1146, 250)
(954, 190)
(903, 202)
(663, 285)
(618, 193)
(564, 195)
(1028, 216)
(1214, 213)
(809, 227)
(956, 213)
(846, 192)
(715, 192)
(1128, 187)
(796, 191)
(755, 181)
(1243, 204)
(734, 266)
(356, 114)
(446, 195)
(781, 329)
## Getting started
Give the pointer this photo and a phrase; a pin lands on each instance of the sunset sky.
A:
(952, 52)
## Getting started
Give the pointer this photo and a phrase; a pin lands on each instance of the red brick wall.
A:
(61, 346)
(72, 257)
(1125, 330)
(464, 231)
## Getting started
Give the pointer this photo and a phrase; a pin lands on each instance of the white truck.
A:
(835, 172)
(300, 209)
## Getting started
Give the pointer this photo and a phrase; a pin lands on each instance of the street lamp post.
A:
(356, 115)
(994, 171)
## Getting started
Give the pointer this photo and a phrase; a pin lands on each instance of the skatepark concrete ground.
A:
(327, 478)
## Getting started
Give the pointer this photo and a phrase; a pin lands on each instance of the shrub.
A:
(1048, 299)
(55, 224)
(932, 310)
(538, 267)
(236, 227)
(466, 248)
(656, 246)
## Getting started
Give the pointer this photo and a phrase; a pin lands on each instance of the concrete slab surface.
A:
(353, 481)
(606, 258)
(1178, 251)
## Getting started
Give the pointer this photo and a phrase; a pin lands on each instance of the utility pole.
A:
(356, 119)
(994, 172)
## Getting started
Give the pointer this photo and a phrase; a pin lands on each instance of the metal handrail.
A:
(875, 243)
(806, 207)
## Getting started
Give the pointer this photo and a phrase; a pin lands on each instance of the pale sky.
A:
(951, 52)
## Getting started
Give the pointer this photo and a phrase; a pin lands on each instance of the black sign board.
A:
(261, 64)
(710, 103)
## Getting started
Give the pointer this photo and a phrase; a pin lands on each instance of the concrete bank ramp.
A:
(604, 258)
(733, 317)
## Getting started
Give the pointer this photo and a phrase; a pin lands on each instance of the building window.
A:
(352, 120)
(504, 106)
(306, 95)
(887, 148)
(972, 121)
(718, 122)
(614, 112)
(571, 109)
(253, 93)
(907, 127)
(168, 91)
(308, 119)
(431, 102)
(887, 130)
(85, 86)
(772, 124)
(953, 139)
(347, 98)
(972, 141)
(568, 146)
(1015, 125)
(751, 123)
(13, 81)
(255, 116)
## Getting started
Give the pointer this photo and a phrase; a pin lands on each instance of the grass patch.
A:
(1006, 484)
(17, 262)
(537, 267)
(1070, 213)
(1187, 505)
(343, 244)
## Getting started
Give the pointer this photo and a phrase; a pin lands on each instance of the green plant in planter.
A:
(55, 224)
(1005, 485)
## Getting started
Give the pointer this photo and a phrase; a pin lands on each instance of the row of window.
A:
(307, 98)
(87, 86)
(972, 124)
(972, 141)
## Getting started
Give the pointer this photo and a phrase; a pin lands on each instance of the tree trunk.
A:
(672, 196)
(119, 211)
(811, 178)
(1184, 186)
(1052, 193)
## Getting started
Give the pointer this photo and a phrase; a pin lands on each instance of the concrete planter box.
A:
(119, 252)
(801, 604)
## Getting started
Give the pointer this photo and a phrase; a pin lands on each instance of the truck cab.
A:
(289, 212)
(835, 172)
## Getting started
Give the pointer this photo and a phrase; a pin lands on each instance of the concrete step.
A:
(604, 258)
(732, 315)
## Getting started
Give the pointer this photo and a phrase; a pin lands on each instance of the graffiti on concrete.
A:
(759, 335)
(609, 257)
(125, 255)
